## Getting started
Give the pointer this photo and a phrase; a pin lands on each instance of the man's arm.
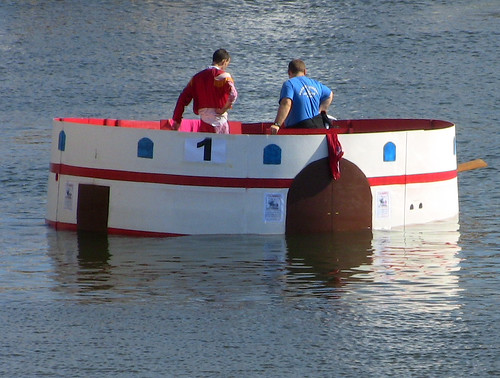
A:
(233, 95)
(184, 99)
(323, 107)
(283, 110)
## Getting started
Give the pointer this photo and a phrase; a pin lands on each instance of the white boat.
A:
(140, 178)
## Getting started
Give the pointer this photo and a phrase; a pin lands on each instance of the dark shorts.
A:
(316, 122)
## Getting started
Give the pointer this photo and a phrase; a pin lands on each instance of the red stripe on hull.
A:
(412, 179)
(230, 182)
(160, 178)
(62, 226)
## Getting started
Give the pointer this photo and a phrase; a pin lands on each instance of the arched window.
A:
(61, 145)
(145, 148)
(272, 154)
(390, 152)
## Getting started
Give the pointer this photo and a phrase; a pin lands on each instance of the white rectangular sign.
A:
(273, 207)
(69, 190)
(205, 150)
(383, 205)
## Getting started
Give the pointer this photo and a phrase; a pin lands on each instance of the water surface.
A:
(416, 302)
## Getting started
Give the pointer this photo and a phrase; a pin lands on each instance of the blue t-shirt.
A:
(306, 94)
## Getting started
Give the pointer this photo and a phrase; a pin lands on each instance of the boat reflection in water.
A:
(317, 262)
(410, 264)
(93, 261)
(418, 266)
(93, 250)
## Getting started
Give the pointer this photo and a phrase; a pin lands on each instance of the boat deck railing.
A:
(261, 128)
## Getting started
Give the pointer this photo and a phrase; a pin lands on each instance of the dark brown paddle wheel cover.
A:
(318, 203)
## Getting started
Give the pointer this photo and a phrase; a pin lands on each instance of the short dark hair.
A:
(220, 55)
(296, 66)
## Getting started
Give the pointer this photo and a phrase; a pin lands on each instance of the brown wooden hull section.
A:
(318, 203)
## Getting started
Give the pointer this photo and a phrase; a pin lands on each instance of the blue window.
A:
(61, 145)
(145, 148)
(390, 152)
(272, 154)
(454, 145)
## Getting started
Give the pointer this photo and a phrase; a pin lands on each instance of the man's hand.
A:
(176, 125)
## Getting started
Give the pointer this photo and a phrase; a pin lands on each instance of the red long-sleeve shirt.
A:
(210, 88)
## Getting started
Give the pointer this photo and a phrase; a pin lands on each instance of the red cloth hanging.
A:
(335, 153)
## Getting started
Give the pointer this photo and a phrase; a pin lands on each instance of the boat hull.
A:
(149, 181)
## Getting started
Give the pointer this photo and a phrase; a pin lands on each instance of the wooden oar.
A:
(470, 165)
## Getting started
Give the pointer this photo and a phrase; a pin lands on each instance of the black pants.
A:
(317, 122)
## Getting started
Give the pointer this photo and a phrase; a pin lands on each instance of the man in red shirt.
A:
(213, 93)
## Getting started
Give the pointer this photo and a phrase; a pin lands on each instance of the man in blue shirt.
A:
(302, 100)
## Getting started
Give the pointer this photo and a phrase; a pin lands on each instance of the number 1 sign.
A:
(207, 150)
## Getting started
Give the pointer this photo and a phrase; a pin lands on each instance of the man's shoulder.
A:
(302, 80)
(318, 84)
(223, 75)
(206, 71)
(311, 80)
(291, 83)
(202, 75)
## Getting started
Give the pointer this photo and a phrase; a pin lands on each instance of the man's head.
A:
(221, 58)
(296, 68)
